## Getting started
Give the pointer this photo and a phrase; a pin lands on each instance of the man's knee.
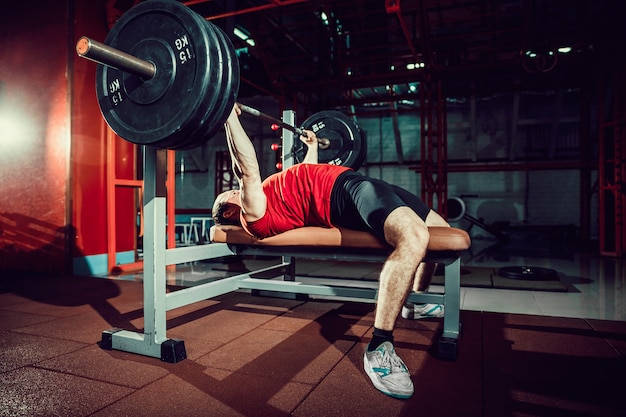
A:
(404, 228)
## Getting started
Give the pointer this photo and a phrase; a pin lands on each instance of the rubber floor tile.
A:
(317, 369)
(301, 356)
(196, 348)
(192, 393)
(347, 391)
(39, 287)
(17, 350)
(39, 392)
(14, 319)
(9, 299)
(58, 307)
(325, 317)
(254, 345)
(115, 367)
(86, 328)
(255, 395)
(220, 326)
(120, 297)
(310, 310)
(614, 333)
(546, 366)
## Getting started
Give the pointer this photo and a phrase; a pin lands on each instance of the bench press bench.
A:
(444, 247)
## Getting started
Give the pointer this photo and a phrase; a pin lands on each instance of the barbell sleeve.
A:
(324, 143)
(111, 57)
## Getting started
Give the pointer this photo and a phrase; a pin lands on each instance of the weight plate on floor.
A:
(161, 111)
(529, 273)
(347, 147)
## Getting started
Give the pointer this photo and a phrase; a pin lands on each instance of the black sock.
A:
(378, 337)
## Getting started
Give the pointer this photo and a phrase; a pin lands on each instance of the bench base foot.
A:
(170, 350)
(106, 342)
(447, 348)
(173, 351)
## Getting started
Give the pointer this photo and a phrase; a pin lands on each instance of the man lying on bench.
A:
(311, 194)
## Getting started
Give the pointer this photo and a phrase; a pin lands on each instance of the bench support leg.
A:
(447, 345)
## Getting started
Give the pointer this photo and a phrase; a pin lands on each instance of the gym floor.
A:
(259, 356)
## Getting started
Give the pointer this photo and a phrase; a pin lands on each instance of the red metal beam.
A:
(271, 5)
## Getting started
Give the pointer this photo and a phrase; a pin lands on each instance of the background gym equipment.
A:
(169, 79)
(456, 210)
(530, 273)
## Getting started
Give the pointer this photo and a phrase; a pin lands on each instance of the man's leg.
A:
(423, 277)
(408, 234)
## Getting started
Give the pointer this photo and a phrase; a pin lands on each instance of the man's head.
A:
(227, 208)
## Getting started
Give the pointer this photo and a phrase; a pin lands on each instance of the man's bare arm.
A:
(246, 168)
(312, 144)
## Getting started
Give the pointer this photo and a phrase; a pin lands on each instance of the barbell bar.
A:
(324, 143)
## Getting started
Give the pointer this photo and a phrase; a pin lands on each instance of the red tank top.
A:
(296, 197)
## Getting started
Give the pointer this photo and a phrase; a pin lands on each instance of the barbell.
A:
(324, 143)
(169, 78)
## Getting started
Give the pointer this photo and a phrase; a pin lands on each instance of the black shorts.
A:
(361, 203)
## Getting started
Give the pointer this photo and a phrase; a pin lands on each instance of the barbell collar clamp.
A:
(112, 57)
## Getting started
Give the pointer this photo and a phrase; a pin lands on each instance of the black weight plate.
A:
(213, 95)
(215, 91)
(347, 147)
(230, 85)
(157, 112)
(529, 273)
(212, 121)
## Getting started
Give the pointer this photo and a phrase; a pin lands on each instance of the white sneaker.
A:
(422, 311)
(387, 371)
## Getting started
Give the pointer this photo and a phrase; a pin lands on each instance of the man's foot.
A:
(387, 371)
(422, 311)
